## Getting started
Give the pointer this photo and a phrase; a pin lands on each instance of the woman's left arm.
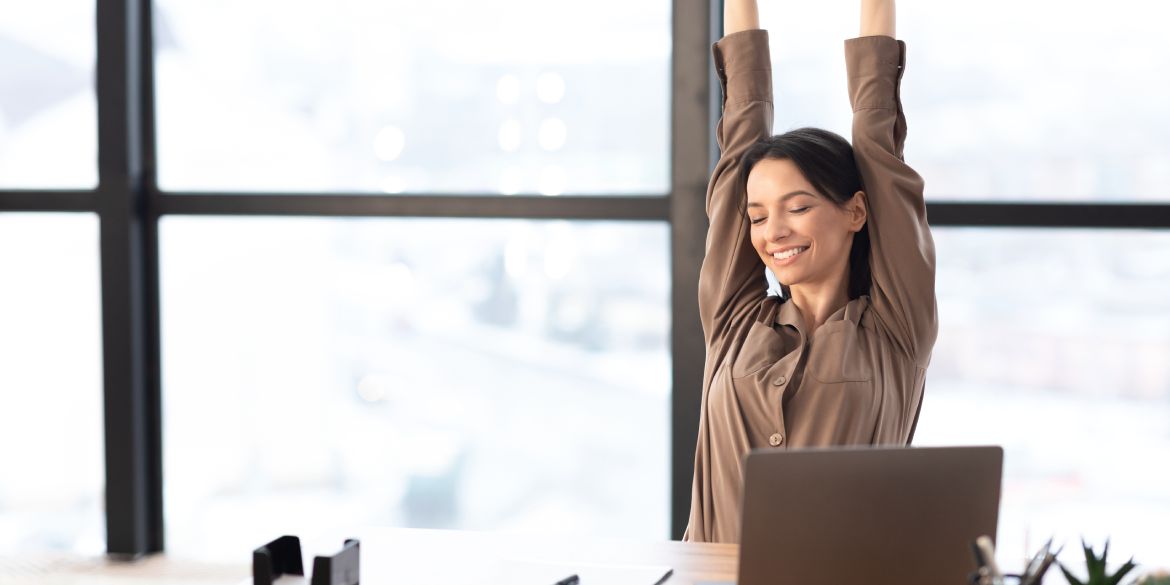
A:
(877, 18)
(902, 261)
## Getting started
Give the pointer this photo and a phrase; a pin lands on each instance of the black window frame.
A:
(129, 205)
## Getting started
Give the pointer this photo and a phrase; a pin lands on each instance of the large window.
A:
(425, 372)
(50, 329)
(1054, 344)
(506, 97)
(50, 384)
(476, 373)
(48, 118)
(482, 374)
(1039, 100)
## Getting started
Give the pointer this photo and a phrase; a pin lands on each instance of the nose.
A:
(776, 230)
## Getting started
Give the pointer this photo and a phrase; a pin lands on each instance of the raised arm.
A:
(901, 247)
(877, 18)
(732, 281)
(740, 15)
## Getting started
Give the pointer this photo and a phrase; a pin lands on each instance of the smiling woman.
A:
(809, 180)
(841, 358)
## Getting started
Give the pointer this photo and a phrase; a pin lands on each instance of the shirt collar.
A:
(852, 311)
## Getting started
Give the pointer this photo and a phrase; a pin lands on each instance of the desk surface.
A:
(394, 556)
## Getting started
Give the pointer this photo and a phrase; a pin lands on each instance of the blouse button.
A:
(776, 439)
(780, 381)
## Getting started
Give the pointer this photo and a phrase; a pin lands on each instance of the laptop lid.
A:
(903, 515)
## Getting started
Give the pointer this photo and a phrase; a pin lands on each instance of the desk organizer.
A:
(283, 557)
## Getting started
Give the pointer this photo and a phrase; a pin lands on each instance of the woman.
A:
(841, 358)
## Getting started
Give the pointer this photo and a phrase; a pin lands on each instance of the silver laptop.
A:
(885, 515)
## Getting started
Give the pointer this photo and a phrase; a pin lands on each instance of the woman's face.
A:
(800, 234)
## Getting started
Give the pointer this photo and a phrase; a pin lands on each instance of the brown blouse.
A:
(767, 382)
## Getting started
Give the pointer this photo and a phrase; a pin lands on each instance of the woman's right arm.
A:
(740, 15)
(731, 281)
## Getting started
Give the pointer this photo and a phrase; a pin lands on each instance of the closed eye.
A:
(799, 209)
(757, 220)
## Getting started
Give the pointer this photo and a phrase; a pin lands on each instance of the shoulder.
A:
(735, 335)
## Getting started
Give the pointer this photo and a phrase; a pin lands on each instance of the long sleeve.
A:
(902, 249)
(731, 280)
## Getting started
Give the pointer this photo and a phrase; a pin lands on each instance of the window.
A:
(1053, 344)
(48, 114)
(51, 488)
(506, 97)
(483, 374)
(1039, 100)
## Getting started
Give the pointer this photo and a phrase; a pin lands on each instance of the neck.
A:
(817, 301)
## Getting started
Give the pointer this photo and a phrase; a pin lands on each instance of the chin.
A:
(787, 284)
(788, 278)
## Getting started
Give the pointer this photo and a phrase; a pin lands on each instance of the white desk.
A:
(416, 557)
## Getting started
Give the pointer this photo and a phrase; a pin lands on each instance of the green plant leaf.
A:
(1072, 580)
(1126, 568)
(1096, 565)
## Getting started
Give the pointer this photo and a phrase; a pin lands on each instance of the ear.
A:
(857, 211)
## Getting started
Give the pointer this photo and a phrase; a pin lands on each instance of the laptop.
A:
(885, 515)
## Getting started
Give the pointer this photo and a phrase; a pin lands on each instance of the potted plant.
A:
(1096, 569)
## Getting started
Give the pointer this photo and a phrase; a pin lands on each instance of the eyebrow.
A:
(783, 198)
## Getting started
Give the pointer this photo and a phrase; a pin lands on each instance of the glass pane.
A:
(517, 96)
(484, 374)
(1054, 344)
(1039, 100)
(52, 462)
(48, 108)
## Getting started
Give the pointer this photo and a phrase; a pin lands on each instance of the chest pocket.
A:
(763, 347)
(839, 354)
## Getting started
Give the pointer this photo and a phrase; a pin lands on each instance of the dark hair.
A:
(826, 161)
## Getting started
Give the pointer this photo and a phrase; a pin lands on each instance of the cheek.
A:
(826, 232)
(757, 235)
(833, 239)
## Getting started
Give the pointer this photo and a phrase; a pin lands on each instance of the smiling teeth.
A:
(788, 253)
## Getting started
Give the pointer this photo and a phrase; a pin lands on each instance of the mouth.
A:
(788, 256)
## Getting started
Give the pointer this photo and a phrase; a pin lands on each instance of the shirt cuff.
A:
(744, 66)
(875, 65)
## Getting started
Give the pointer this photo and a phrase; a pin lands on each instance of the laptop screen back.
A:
(867, 515)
